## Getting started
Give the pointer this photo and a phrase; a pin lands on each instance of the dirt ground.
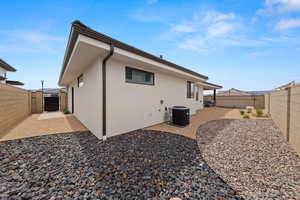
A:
(201, 117)
(43, 124)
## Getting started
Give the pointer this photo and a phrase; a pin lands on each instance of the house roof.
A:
(282, 87)
(233, 91)
(14, 82)
(6, 66)
(80, 28)
(210, 86)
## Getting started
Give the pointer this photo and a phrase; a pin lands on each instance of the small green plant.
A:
(246, 116)
(66, 111)
(242, 112)
(259, 113)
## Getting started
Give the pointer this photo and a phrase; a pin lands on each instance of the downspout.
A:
(111, 52)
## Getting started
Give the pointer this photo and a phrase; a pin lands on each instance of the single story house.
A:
(4, 68)
(236, 92)
(286, 86)
(115, 88)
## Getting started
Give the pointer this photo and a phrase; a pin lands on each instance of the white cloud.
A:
(207, 31)
(212, 16)
(285, 24)
(220, 29)
(182, 28)
(284, 5)
(279, 6)
(28, 41)
(151, 1)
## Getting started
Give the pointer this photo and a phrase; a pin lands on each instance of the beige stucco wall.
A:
(87, 99)
(295, 118)
(129, 106)
(257, 101)
(37, 102)
(2, 71)
(63, 101)
(14, 106)
(278, 108)
(133, 106)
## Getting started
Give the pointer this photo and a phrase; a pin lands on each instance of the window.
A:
(139, 76)
(190, 90)
(80, 81)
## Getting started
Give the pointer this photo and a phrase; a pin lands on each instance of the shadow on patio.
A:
(201, 117)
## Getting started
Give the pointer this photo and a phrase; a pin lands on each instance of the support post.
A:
(215, 101)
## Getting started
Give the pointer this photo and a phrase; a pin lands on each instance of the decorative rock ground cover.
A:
(136, 165)
(252, 157)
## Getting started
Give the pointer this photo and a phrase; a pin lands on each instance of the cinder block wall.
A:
(284, 107)
(257, 101)
(294, 137)
(15, 105)
(37, 102)
(278, 110)
(63, 101)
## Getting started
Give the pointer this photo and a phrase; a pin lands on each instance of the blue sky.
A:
(249, 45)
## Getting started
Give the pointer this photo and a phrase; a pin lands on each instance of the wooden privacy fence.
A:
(15, 105)
(284, 108)
(241, 101)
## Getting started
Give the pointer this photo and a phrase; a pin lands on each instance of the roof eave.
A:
(80, 28)
(6, 66)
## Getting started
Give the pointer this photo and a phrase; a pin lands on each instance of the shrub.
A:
(246, 116)
(66, 111)
(259, 113)
(242, 112)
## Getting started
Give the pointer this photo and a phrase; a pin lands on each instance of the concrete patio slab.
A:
(50, 115)
(43, 124)
(201, 117)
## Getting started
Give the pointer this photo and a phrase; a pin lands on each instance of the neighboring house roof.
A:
(210, 86)
(259, 92)
(288, 85)
(232, 92)
(14, 82)
(80, 28)
(51, 90)
(6, 66)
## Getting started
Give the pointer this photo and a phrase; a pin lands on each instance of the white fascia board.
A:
(207, 85)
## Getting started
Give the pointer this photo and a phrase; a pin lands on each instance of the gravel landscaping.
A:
(252, 157)
(137, 165)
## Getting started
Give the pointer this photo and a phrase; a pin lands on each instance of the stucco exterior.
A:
(129, 106)
(126, 106)
(87, 99)
(2, 71)
(133, 106)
